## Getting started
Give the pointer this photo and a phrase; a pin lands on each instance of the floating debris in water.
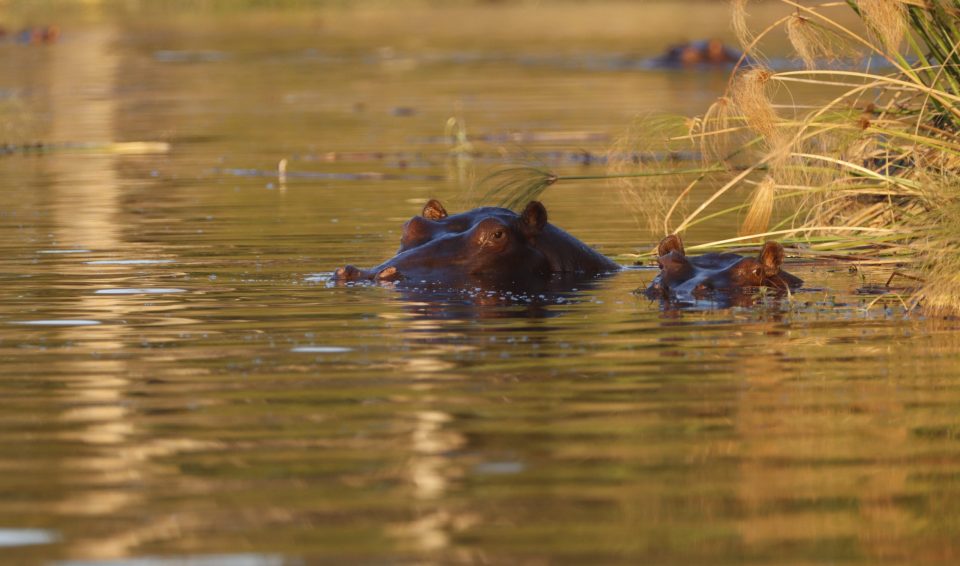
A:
(133, 147)
(119, 148)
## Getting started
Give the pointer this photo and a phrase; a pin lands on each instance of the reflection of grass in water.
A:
(872, 171)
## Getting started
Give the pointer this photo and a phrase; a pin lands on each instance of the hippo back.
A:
(567, 254)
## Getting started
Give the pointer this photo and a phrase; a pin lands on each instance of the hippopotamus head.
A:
(685, 275)
(434, 221)
(493, 250)
(486, 247)
(707, 52)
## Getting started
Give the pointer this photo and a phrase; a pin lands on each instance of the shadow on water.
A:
(474, 299)
(675, 304)
(554, 299)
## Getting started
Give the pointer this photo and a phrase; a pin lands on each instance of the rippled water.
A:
(182, 384)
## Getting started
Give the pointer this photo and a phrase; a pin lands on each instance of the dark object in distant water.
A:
(35, 35)
(487, 247)
(687, 277)
(403, 111)
(707, 52)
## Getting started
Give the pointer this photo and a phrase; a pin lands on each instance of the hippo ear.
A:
(433, 210)
(671, 243)
(771, 257)
(534, 216)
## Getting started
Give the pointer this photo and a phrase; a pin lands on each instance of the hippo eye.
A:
(498, 234)
(758, 271)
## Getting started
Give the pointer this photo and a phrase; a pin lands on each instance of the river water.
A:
(182, 385)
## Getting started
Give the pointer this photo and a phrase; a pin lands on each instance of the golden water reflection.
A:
(248, 408)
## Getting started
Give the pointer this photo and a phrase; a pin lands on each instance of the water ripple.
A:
(128, 261)
(58, 322)
(140, 291)
(321, 350)
(26, 537)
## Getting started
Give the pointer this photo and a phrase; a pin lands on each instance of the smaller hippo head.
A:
(673, 262)
(699, 53)
(719, 271)
(761, 271)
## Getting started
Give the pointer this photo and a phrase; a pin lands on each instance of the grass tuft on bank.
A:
(869, 171)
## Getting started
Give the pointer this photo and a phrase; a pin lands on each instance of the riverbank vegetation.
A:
(869, 172)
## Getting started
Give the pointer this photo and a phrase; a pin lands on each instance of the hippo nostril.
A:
(388, 274)
(347, 273)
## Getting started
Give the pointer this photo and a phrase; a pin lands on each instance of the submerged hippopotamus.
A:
(488, 247)
(699, 53)
(683, 276)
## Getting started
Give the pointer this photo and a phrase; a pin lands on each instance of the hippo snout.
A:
(350, 273)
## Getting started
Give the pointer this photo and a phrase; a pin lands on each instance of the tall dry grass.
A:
(870, 170)
(874, 165)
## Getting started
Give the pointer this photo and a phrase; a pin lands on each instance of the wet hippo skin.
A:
(488, 247)
(681, 275)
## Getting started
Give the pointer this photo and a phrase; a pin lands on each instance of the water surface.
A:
(183, 385)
